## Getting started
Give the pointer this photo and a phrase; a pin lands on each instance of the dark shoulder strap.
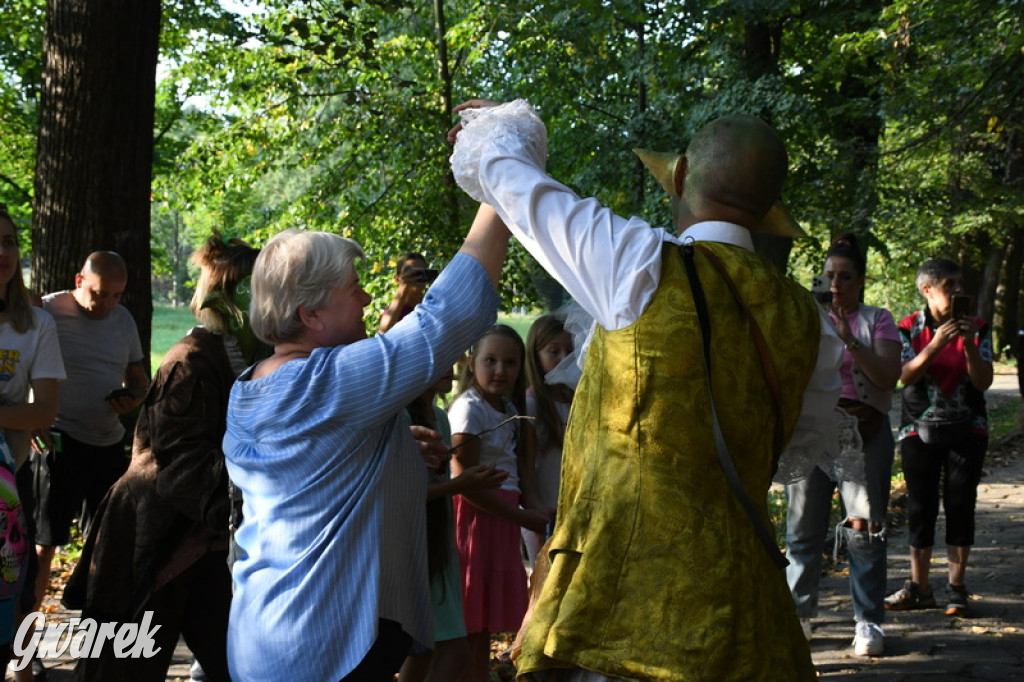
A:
(771, 376)
(768, 367)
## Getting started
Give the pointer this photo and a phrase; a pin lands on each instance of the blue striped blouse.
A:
(334, 490)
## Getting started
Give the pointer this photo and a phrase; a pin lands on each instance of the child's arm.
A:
(474, 478)
(467, 456)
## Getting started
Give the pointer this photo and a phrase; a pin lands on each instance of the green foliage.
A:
(21, 40)
(903, 119)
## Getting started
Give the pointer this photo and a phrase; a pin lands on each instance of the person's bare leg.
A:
(920, 564)
(957, 563)
(44, 553)
(25, 674)
(415, 668)
(479, 666)
(452, 658)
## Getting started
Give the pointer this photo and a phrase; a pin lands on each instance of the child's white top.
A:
(471, 414)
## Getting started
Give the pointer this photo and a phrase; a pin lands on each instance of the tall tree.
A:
(95, 143)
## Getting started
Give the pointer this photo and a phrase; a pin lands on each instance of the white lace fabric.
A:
(843, 460)
(480, 126)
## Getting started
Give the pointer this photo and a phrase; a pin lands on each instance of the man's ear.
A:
(78, 280)
(679, 179)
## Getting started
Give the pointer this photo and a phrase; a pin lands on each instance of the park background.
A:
(141, 125)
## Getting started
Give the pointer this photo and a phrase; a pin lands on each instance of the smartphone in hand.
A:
(821, 289)
(123, 392)
(961, 306)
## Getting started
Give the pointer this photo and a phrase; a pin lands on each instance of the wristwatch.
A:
(853, 344)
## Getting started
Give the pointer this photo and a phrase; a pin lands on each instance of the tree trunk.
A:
(761, 43)
(95, 148)
(989, 282)
(1009, 297)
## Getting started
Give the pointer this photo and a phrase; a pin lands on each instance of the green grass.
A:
(170, 324)
(521, 323)
(1002, 419)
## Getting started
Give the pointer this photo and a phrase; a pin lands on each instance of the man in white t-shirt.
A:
(106, 378)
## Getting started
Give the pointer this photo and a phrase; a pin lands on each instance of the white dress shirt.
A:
(610, 265)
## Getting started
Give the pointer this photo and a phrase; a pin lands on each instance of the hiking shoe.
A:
(908, 597)
(956, 600)
(869, 639)
(805, 625)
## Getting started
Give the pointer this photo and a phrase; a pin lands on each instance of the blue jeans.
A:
(810, 502)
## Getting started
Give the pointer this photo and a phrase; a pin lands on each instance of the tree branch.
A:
(962, 112)
(17, 188)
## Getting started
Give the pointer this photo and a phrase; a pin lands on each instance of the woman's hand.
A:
(946, 333)
(842, 325)
(432, 448)
(469, 104)
(967, 328)
(534, 520)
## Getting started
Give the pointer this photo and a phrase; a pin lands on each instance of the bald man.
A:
(658, 572)
(103, 356)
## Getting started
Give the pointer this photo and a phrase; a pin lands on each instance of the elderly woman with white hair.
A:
(331, 582)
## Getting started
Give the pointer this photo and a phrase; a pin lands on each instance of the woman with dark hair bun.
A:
(160, 539)
(871, 366)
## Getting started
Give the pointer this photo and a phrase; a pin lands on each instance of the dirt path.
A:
(928, 645)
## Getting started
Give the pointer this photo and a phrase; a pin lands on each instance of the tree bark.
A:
(1008, 302)
(988, 281)
(95, 147)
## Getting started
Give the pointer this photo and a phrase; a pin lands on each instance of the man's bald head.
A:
(100, 284)
(105, 264)
(735, 167)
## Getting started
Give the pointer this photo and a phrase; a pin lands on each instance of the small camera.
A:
(419, 275)
(821, 290)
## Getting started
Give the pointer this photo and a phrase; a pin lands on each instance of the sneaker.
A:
(869, 639)
(805, 625)
(909, 596)
(956, 600)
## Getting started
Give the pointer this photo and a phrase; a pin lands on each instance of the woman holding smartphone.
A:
(870, 368)
(947, 366)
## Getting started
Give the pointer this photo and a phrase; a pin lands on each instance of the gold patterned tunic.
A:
(657, 573)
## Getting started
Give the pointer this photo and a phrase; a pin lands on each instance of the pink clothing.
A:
(494, 592)
(885, 328)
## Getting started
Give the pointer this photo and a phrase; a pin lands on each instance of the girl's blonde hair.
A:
(543, 331)
(467, 379)
(19, 305)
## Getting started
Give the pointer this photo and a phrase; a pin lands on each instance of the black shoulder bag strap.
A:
(767, 539)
